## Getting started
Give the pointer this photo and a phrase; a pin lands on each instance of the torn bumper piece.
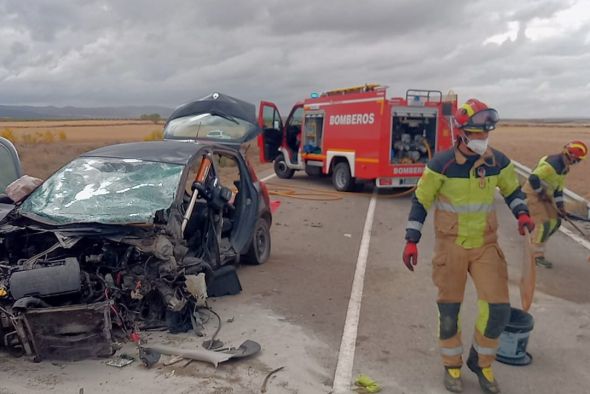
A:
(150, 354)
(66, 332)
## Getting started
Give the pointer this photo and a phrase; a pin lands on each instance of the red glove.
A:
(524, 220)
(410, 255)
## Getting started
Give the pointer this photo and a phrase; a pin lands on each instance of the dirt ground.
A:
(522, 142)
(527, 144)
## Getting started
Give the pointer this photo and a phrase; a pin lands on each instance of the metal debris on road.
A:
(121, 361)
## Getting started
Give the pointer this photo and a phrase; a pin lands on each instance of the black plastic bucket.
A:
(515, 338)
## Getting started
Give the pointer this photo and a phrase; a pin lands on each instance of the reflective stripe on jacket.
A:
(462, 190)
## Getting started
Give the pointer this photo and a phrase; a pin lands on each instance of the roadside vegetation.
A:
(32, 138)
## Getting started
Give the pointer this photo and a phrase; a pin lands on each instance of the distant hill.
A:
(24, 112)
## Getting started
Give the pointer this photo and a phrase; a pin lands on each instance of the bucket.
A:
(515, 338)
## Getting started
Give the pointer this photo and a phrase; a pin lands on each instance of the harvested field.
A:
(42, 157)
(525, 143)
(528, 143)
(87, 131)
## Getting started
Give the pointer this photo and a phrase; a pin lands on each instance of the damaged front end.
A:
(127, 238)
(66, 292)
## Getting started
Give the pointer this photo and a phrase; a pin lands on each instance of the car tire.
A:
(281, 169)
(341, 177)
(259, 250)
(313, 171)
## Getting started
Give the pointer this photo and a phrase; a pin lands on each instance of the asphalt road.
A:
(296, 306)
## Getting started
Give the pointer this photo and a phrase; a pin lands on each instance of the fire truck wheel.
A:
(313, 171)
(281, 169)
(341, 178)
(259, 250)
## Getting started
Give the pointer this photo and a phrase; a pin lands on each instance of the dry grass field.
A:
(45, 146)
(525, 143)
(528, 143)
(41, 154)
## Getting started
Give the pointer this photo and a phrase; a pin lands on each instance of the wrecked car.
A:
(120, 236)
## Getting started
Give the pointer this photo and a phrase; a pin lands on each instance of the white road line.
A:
(575, 237)
(266, 178)
(343, 374)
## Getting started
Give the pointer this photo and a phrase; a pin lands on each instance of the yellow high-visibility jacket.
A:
(462, 189)
(549, 178)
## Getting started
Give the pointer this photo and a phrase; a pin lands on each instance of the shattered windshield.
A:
(105, 190)
(208, 126)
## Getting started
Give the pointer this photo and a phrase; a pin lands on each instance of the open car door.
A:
(10, 170)
(272, 137)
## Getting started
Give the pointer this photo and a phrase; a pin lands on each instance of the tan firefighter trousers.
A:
(487, 267)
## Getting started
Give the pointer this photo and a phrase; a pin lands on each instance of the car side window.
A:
(9, 165)
(228, 170)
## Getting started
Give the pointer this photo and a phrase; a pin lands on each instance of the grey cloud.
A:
(350, 17)
(152, 52)
(541, 9)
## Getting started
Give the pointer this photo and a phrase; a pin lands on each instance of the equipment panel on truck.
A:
(358, 134)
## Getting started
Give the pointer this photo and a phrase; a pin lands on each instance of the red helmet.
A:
(576, 150)
(475, 117)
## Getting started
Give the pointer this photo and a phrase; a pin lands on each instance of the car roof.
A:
(174, 152)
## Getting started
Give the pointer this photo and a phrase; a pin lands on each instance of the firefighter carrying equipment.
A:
(462, 189)
(475, 117)
(544, 190)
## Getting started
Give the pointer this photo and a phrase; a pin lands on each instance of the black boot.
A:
(452, 380)
(487, 381)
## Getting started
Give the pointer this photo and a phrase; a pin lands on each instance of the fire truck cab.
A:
(358, 134)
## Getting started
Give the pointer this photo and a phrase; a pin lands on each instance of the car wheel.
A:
(281, 169)
(313, 171)
(341, 178)
(259, 250)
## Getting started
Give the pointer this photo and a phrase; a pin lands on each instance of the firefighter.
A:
(461, 184)
(544, 190)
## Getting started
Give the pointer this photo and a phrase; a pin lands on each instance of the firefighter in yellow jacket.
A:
(461, 183)
(544, 190)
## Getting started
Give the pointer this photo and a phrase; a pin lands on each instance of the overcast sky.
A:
(527, 58)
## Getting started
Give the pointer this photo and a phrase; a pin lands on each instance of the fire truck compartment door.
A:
(415, 112)
(272, 137)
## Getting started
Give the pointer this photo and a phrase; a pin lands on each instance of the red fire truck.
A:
(358, 134)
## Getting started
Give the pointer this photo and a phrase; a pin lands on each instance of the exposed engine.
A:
(139, 277)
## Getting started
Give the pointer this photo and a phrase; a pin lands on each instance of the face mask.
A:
(478, 146)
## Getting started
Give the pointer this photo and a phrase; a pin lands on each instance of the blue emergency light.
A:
(315, 95)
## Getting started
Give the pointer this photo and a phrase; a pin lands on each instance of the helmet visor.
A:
(483, 120)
